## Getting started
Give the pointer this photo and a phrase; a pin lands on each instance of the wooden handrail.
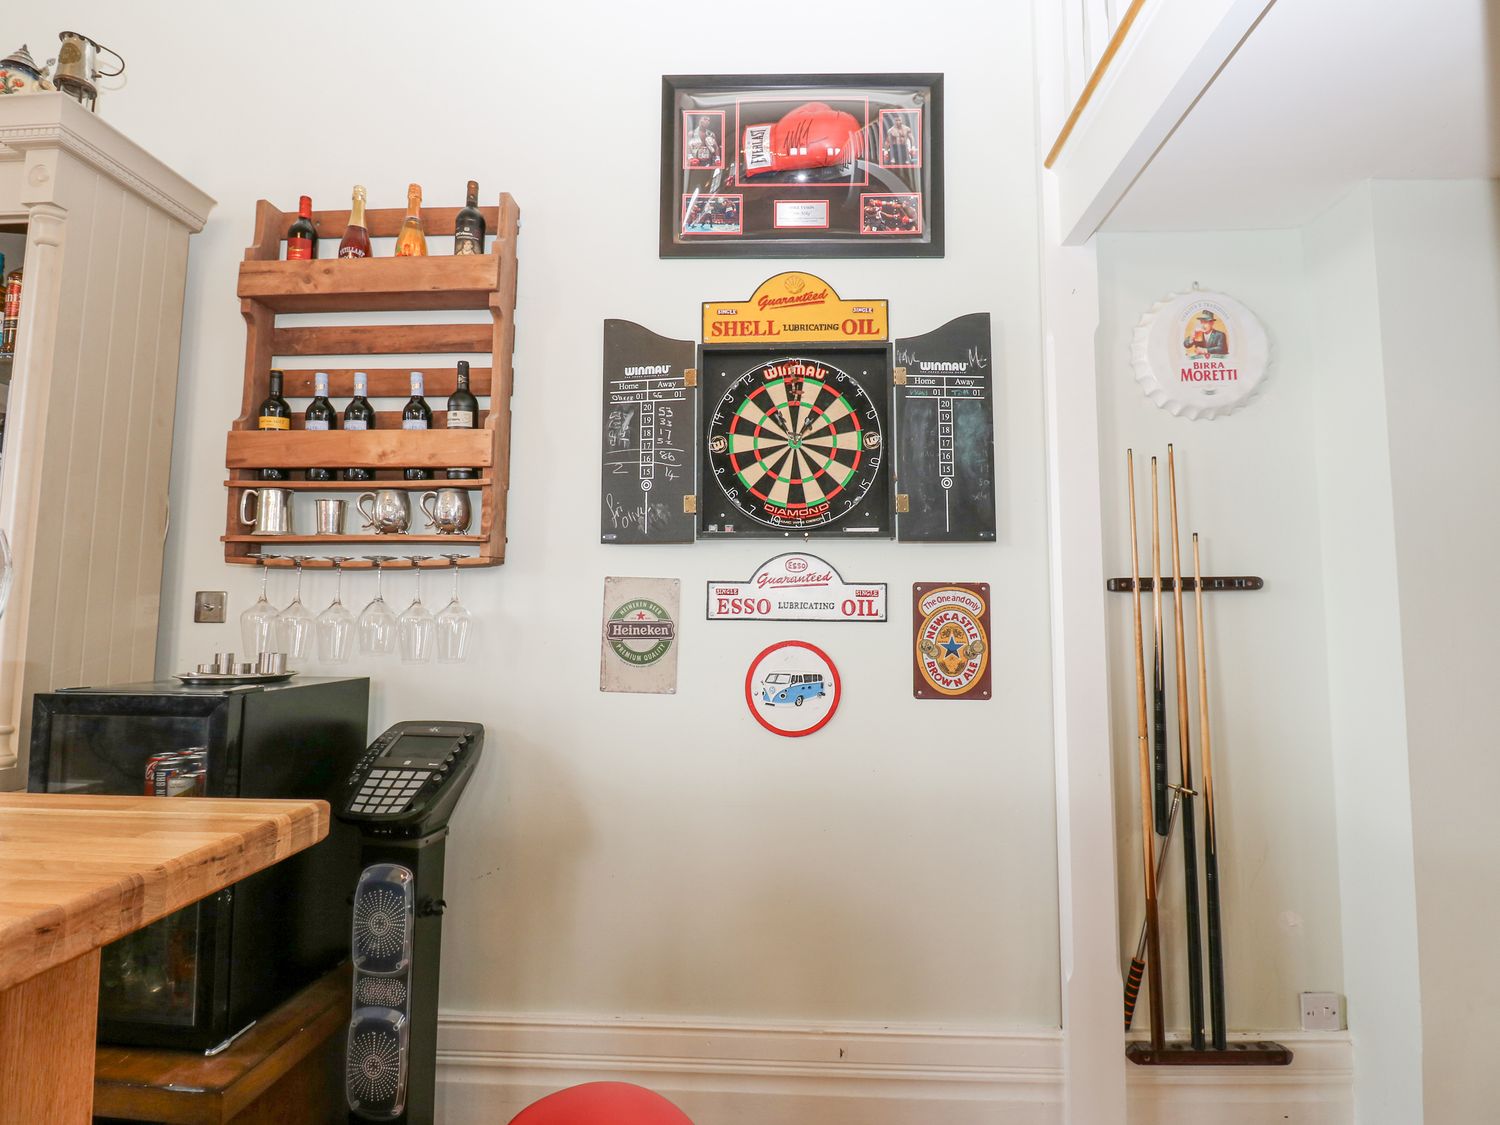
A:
(1094, 79)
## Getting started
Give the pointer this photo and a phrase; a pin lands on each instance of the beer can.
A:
(177, 773)
(156, 765)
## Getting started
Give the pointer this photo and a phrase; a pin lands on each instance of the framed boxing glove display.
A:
(807, 166)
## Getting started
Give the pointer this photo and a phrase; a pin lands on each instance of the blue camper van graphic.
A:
(782, 688)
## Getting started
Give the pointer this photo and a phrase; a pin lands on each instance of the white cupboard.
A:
(93, 384)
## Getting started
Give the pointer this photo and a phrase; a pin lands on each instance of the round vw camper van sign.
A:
(792, 689)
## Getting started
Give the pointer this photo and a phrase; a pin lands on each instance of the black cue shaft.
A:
(1185, 765)
(1217, 1011)
(1158, 670)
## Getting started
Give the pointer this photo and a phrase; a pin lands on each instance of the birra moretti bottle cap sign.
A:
(1200, 354)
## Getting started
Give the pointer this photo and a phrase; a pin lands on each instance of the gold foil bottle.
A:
(412, 241)
(356, 243)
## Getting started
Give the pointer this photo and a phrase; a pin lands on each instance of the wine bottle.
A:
(417, 415)
(12, 318)
(274, 414)
(468, 228)
(463, 414)
(302, 238)
(359, 415)
(320, 416)
(356, 240)
(412, 241)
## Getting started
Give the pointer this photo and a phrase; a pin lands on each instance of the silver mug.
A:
(447, 510)
(331, 516)
(273, 511)
(389, 512)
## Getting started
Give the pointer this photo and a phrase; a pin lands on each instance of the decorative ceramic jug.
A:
(19, 74)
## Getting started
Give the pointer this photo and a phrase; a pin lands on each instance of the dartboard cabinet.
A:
(798, 418)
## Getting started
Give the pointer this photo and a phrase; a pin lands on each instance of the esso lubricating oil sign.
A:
(796, 587)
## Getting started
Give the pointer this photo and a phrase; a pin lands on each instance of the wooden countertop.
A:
(78, 872)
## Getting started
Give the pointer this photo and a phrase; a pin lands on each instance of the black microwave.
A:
(197, 978)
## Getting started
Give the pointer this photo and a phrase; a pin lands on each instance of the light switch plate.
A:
(208, 605)
(1322, 1011)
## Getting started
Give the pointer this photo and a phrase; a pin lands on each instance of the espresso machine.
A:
(400, 796)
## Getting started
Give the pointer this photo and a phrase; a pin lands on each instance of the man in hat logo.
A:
(1207, 337)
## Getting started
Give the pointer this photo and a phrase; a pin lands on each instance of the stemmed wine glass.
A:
(377, 624)
(294, 625)
(416, 624)
(336, 624)
(258, 623)
(454, 624)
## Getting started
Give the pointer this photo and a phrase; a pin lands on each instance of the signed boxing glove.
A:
(814, 135)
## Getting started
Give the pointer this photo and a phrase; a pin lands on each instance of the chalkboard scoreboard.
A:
(946, 433)
(649, 462)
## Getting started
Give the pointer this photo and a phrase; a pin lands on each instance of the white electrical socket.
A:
(1322, 1011)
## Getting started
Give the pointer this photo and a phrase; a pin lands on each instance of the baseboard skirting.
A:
(491, 1066)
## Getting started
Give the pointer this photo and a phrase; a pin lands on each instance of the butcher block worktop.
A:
(78, 872)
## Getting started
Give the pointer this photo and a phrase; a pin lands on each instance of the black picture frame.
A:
(889, 207)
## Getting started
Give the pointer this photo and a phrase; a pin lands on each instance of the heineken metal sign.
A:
(640, 632)
(639, 640)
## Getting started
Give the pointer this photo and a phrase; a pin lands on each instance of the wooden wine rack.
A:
(269, 286)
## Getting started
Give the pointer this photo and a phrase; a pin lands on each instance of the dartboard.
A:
(797, 444)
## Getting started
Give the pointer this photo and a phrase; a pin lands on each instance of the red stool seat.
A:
(602, 1103)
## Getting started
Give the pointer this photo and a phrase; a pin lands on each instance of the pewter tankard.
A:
(389, 512)
(273, 511)
(447, 510)
(330, 516)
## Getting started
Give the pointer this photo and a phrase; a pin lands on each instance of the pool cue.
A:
(1138, 962)
(1220, 1027)
(1185, 779)
(1143, 754)
(1158, 676)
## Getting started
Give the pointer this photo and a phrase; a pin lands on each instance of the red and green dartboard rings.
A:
(795, 443)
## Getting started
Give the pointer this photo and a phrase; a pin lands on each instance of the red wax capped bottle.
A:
(302, 237)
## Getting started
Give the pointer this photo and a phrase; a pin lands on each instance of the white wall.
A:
(1408, 478)
(1367, 700)
(1246, 483)
(622, 855)
(1437, 250)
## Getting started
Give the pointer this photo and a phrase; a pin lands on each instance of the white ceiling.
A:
(1322, 95)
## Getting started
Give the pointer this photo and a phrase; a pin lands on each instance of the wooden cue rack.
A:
(269, 286)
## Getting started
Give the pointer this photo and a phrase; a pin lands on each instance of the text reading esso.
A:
(743, 607)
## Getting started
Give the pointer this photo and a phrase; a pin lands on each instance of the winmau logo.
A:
(944, 368)
(659, 369)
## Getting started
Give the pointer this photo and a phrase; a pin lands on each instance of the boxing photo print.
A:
(844, 165)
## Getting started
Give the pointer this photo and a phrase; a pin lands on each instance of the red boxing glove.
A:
(814, 135)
